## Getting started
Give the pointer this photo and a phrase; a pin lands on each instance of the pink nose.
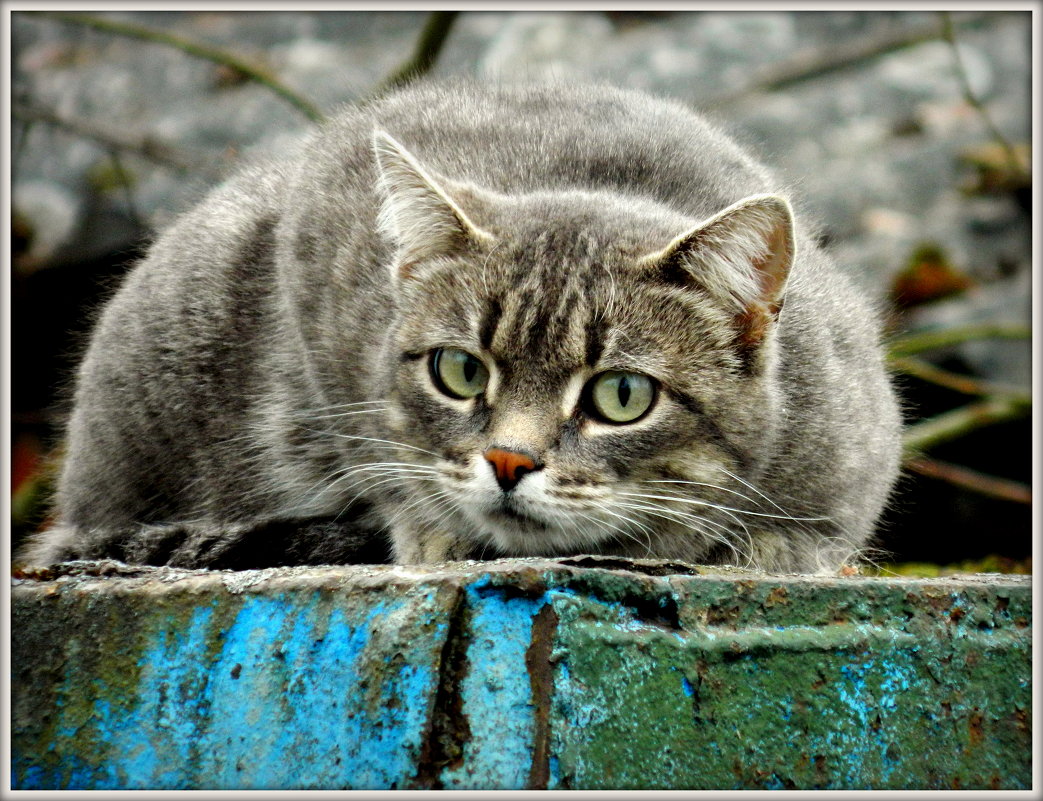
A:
(510, 466)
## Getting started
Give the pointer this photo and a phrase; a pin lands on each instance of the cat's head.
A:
(578, 366)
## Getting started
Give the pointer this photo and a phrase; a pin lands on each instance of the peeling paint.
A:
(515, 674)
(496, 692)
(289, 698)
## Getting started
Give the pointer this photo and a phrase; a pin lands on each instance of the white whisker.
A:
(648, 533)
(747, 484)
(376, 440)
(710, 529)
(701, 484)
(305, 412)
(719, 507)
(334, 415)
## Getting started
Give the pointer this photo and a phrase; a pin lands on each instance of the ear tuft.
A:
(417, 213)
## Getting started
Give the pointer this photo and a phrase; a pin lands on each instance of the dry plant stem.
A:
(111, 139)
(197, 49)
(18, 143)
(957, 422)
(981, 483)
(815, 63)
(429, 45)
(917, 368)
(921, 341)
(1013, 162)
(128, 188)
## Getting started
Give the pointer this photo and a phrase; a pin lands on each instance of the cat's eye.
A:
(618, 397)
(457, 373)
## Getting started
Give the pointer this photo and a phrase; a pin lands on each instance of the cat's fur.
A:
(269, 359)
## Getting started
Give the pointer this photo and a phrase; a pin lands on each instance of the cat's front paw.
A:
(416, 545)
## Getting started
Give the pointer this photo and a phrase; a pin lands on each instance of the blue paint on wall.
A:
(496, 692)
(311, 682)
(288, 699)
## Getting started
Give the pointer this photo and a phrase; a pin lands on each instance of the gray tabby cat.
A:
(485, 321)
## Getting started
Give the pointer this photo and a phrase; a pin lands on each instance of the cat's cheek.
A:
(396, 418)
(434, 422)
(697, 462)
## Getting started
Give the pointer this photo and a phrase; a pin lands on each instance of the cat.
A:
(470, 321)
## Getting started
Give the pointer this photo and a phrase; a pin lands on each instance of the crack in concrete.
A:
(448, 729)
(541, 677)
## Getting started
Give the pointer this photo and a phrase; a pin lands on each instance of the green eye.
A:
(621, 397)
(457, 373)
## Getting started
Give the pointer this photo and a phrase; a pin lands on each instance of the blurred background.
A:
(905, 135)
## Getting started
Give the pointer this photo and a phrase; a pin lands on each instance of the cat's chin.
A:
(511, 519)
(515, 533)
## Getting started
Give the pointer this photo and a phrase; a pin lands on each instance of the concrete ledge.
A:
(578, 673)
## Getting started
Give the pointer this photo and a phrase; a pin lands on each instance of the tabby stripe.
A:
(489, 323)
(594, 345)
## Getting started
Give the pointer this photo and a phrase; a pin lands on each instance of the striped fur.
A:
(271, 358)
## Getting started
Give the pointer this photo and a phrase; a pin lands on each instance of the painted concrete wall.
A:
(583, 673)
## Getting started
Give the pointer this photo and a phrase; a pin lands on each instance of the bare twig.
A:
(817, 62)
(128, 189)
(964, 477)
(920, 341)
(18, 148)
(925, 371)
(429, 45)
(957, 422)
(112, 140)
(197, 49)
(1014, 163)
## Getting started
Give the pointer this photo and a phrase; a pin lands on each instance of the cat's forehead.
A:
(557, 226)
(588, 314)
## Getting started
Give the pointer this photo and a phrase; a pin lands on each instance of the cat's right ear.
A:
(417, 213)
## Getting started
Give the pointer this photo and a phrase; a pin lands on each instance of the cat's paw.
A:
(57, 544)
(416, 545)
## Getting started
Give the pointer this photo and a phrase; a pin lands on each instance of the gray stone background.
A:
(880, 150)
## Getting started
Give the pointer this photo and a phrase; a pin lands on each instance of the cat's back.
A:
(518, 139)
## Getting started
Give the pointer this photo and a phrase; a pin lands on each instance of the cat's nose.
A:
(510, 466)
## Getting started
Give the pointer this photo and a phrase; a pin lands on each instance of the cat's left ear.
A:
(418, 213)
(741, 255)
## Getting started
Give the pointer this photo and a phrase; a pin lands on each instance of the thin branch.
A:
(19, 148)
(815, 63)
(957, 422)
(197, 49)
(112, 140)
(429, 45)
(1014, 164)
(920, 341)
(964, 477)
(128, 188)
(925, 371)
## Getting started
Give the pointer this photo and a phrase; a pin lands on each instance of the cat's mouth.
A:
(508, 511)
(521, 521)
